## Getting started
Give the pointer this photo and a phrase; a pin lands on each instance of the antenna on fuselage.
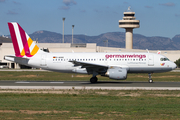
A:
(158, 52)
(147, 50)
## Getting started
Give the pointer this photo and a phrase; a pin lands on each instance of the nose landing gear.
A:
(150, 78)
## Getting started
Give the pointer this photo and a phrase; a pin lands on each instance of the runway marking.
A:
(39, 82)
(57, 82)
(49, 82)
(22, 82)
(75, 82)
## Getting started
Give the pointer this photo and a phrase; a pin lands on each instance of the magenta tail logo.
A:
(23, 44)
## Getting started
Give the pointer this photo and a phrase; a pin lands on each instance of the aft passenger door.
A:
(43, 60)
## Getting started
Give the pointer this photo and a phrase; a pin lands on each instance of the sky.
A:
(91, 17)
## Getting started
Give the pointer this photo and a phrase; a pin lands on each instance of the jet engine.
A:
(117, 73)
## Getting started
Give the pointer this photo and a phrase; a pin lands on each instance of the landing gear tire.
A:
(150, 81)
(150, 78)
(93, 79)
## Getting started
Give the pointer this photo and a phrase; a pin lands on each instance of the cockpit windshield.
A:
(164, 59)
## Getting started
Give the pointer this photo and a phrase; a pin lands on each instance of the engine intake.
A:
(117, 73)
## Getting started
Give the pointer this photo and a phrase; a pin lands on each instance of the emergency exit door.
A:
(151, 60)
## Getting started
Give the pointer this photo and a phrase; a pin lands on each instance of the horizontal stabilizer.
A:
(19, 60)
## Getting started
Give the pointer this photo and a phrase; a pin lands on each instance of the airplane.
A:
(113, 65)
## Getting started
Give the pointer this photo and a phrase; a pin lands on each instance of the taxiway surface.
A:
(119, 85)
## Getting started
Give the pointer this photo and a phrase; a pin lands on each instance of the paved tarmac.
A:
(113, 85)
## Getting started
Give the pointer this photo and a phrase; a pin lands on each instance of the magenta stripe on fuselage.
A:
(24, 41)
(14, 40)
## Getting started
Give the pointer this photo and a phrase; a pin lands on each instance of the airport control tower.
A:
(129, 23)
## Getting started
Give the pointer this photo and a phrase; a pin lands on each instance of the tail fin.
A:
(23, 44)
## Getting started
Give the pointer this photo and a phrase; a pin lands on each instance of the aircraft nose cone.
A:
(174, 66)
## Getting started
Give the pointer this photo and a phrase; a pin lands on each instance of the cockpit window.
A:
(164, 59)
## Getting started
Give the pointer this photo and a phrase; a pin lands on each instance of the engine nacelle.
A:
(117, 73)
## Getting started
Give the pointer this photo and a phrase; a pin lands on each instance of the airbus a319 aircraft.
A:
(113, 65)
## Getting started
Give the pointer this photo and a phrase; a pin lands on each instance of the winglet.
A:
(23, 44)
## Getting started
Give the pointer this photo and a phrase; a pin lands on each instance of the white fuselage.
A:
(133, 62)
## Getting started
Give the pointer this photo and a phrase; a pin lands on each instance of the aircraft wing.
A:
(90, 67)
(87, 64)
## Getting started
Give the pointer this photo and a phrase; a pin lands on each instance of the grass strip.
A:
(90, 104)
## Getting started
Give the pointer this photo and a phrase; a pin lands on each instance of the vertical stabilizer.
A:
(23, 44)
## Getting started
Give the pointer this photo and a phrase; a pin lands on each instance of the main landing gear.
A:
(150, 79)
(93, 79)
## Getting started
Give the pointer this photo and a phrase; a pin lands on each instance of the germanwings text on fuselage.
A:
(125, 56)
